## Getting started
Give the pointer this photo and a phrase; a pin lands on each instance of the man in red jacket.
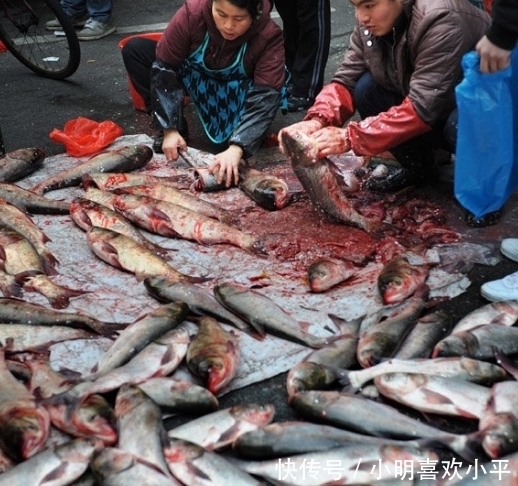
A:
(399, 73)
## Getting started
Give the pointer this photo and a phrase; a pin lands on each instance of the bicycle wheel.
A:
(22, 31)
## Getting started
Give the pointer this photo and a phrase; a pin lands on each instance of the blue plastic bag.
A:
(486, 161)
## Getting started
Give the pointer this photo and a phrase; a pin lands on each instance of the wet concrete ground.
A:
(32, 106)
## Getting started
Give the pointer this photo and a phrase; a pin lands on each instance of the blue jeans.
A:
(99, 10)
(371, 99)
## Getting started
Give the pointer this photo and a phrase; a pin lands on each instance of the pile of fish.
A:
(107, 426)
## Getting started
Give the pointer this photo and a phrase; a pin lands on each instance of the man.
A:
(399, 73)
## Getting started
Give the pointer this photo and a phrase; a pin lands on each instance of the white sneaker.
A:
(509, 248)
(503, 289)
(94, 30)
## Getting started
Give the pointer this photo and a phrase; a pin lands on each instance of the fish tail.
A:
(13, 289)
(62, 299)
(88, 181)
(109, 330)
(468, 446)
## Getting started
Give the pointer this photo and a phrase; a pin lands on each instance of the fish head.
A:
(395, 290)
(95, 418)
(299, 147)
(500, 439)
(25, 431)
(454, 345)
(254, 413)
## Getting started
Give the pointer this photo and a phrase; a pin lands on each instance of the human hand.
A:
(307, 127)
(331, 141)
(492, 57)
(172, 144)
(226, 165)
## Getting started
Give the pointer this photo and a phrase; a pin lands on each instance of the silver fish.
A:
(383, 339)
(325, 273)
(322, 182)
(263, 313)
(178, 396)
(57, 465)
(269, 191)
(219, 429)
(24, 424)
(137, 335)
(199, 300)
(140, 426)
(498, 424)
(86, 214)
(107, 181)
(112, 466)
(357, 464)
(20, 312)
(463, 368)
(20, 258)
(504, 313)
(125, 253)
(94, 418)
(19, 163)
(309, 376)
(30, 201)
(426, 333)
(280, 439)
(192, 464)
(122, 159)
(454, 397)
(14, 218)
(480, 342)
(174, 221)
(363, 415)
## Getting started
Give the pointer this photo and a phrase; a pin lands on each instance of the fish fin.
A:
(503, 361)
(13, 289)
(434, 397)
(108, 330)
(49, 263)
(56, 473)
(191, 279)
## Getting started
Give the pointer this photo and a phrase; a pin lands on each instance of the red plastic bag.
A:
(83, 136)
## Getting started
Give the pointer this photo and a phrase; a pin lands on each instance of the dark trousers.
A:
(370, 99)
(138, 56)
(307, 35)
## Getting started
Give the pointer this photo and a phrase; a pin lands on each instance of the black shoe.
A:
(296, 103)
(394, 179)
(488, 219)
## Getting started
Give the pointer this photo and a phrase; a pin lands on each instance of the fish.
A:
(9, 286)
(192, 464)
(269, 191)
(480, 342)
(498, 424)
(137, 335)
(19, 163)
(30, 201)
(179, 396)
(181, 198)
(435, 394)
(206, 181)
(340, 352)
(213, 355)
(14, 218)
(112, 466)
(140, 426)
(19, 258)
(383, 339)
(94, 418)
(199, 300)
(171, 220)
(57, 465)
(363, 415)
(124, 253)
(221, 428)
(122, 159)
(327, 272)
(400, 278)
(159, 358)
(107, 181)
(309, 376)
(86, 213)
(288, 438)
(426, 333)
(104, 198)
(463, 368)
(504, 313)
(322, 181)
(16, 311)
(350, 464)
(24, 424)
(263, 313)
(27, 337)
